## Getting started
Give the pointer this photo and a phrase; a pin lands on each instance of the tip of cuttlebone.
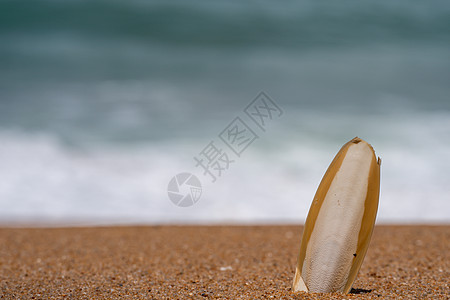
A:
(299, 284)
(356, 140)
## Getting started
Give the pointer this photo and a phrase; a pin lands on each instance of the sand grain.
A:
(216, 262)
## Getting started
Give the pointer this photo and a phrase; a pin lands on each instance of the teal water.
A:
(101, 102)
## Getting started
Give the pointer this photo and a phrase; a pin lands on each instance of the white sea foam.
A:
(44, 180)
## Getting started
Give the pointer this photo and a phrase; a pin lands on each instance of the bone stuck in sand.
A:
(340, 221)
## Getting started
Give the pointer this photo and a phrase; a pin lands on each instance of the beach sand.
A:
(209, 262)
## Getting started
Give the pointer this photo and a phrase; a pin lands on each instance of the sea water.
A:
(102, 103)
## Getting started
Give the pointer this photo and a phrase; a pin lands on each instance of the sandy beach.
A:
(208, 262)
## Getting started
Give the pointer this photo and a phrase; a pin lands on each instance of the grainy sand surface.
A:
(209, 262)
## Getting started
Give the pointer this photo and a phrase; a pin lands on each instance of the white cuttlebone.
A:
(333, 242)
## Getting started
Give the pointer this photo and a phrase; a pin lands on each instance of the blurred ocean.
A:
(103, 102)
